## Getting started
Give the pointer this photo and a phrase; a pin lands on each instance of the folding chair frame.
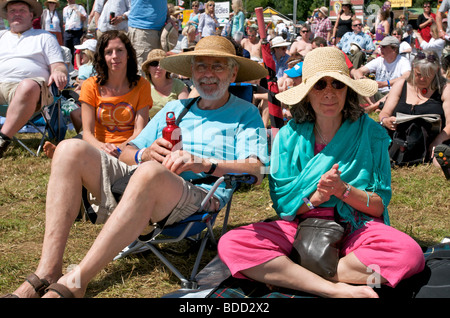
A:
(47, 112)
(149, 241)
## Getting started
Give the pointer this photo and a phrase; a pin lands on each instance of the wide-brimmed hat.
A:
(324, 11)
(35, 5)
(214, 46)
(90, 45)
(154, 55)
(52, 1)
(322, 62)
(278, 41)
(346, 2)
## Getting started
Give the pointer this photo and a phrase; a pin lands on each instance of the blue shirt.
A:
(148, 14)
(364, 40)
(234, 131)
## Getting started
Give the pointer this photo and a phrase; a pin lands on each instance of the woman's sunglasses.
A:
(322, 84)
(153, 63)
(430, 57)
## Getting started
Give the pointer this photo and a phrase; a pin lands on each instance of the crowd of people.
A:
(326, 81)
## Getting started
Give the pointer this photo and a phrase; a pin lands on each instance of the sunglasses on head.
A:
(322, 84)
(430, 57)
(153, 63)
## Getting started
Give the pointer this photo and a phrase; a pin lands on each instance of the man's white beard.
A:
(222, 87)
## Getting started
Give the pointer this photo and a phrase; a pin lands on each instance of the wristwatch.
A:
(214, 164)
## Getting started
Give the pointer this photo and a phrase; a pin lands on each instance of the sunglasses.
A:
(430, 57)
(153, 64)
(304, 31)
(322, 84)
(427, 6)
(359, 24)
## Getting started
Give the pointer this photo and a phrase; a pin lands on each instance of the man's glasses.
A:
(154, 64)
(359, 24)
(304, 31)
(322, 84)
(427, 6)
(430, 57)
(215, 67)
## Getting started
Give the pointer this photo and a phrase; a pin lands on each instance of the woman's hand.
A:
(330, 184)
(389, 122)
(110, 149)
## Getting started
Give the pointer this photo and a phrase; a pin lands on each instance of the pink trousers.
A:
(391, 253)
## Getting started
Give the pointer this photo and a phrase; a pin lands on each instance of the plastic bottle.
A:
(172, 132)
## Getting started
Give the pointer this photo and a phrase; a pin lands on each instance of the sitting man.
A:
(30, 61)
(360, 38)
(252, 43)
(388, 67)
(302, 44)
(220, 134)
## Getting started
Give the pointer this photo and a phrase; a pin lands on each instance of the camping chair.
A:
(198, 228)
(48, 122)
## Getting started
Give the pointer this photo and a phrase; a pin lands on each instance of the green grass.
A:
(420, 206)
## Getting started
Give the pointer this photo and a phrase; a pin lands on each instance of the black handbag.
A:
(316, 245)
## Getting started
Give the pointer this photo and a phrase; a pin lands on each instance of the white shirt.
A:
(72, 16)
(119, 7)
(28, 55)
(436, 45)
(388, 71)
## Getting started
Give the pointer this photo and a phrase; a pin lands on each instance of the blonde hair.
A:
(434, 30)
(239, 5)
(90, 56)
(207, 7)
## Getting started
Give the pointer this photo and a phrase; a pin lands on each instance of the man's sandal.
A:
(61, 290)
(442, 155)
(38, 284)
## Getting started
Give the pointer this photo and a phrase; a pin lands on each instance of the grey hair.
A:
(428, 69)
(303, 111)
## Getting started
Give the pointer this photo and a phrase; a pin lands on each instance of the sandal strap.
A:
(61, 290)
(38, 284)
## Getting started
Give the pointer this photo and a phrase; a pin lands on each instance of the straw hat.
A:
(35, 5)
(324, 11)
(52, 1)
(214, 46)
(322, 62)
(154, 55)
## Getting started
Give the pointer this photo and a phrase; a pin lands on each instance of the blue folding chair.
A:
(48, 122)
(198, 228)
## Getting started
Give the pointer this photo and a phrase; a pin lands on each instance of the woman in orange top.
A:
(115, 103)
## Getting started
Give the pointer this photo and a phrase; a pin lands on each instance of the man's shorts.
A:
(8, 89)
(113, 170)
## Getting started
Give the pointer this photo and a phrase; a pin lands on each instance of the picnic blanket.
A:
(215, 281)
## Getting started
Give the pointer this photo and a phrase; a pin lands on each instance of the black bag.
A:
(316, 245)
(409, 144)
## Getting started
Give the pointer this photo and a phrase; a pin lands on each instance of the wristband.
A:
(381, 121)
(138, 156)
(347, 191)
(309, 204)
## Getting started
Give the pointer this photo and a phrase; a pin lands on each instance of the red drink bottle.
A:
(172, 132)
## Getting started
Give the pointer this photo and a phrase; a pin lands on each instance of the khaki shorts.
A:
(113, 169)
(8, 89)
(143, 42)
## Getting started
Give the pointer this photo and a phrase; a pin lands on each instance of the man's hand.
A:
(58, 75)
(179, 161)
(157, 151)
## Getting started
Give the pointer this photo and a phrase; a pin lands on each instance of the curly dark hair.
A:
(100, 65)
(303, 111)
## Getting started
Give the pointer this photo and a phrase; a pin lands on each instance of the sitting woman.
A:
(164, 87)
(435, 44)
(114, 103)
(424, 92)
(329, 156)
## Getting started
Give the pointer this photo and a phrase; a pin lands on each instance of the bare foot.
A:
(49, 149)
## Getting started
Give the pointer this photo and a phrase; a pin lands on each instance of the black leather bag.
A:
(316, 245)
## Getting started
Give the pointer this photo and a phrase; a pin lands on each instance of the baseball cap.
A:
(295, 71)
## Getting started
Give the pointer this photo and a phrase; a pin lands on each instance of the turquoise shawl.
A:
(361, 150)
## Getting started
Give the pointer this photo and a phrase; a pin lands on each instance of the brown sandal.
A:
(38, 284)
(61, 290)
